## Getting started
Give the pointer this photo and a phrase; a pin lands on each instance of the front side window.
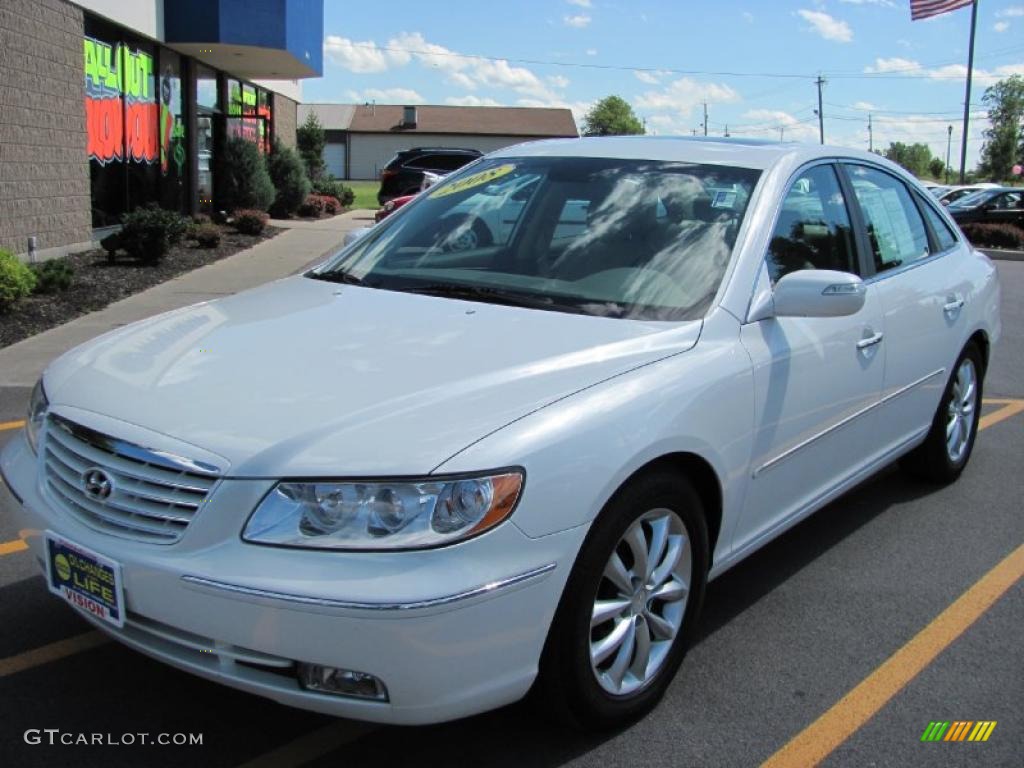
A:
(1007, 201)
(895, 229)
(813, 227)
(614, 238)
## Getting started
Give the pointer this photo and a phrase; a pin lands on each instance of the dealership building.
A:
(106, 105)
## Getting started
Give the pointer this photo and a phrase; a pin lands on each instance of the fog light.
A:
(341, 682)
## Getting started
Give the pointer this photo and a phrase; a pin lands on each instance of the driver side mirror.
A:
(818, 293)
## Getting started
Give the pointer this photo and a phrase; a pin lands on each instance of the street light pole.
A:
(821, 117)
(949, 143)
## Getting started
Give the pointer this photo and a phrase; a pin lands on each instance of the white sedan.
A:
(440, 470)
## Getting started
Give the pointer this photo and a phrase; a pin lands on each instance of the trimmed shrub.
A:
(53, 276)
(289, 178)
(207, 235)
(249, 222)
(995, 235)
(318, 205)
(16, 279)
(333, 188)
(201, 218)
(148, 233)
(244, 180)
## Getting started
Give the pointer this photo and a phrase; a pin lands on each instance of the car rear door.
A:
(817, 379)
(922, 286)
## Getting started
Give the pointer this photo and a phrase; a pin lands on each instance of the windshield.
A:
(614, 238)
(968, 197)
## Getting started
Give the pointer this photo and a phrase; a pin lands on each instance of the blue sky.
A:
(666, 57)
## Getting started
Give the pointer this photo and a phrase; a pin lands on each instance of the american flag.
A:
(923, 9)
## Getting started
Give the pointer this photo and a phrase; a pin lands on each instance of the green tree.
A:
(612, 116)
(916, 158)
(937, 168)
(311, 139)
(289, 177)
(244, 181)
(1004, 140)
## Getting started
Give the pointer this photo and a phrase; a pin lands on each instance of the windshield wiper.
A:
(484, 294)
(345, 278)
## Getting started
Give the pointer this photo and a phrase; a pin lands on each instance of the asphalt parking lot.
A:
(896, 606)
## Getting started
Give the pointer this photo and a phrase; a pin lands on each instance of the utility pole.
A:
(821, 117)
(967, 96)
(727, 130)
(871, 135)
(949, 144)
(705, 118)
(782, 133)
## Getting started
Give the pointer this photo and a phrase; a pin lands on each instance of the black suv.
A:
(404, 174)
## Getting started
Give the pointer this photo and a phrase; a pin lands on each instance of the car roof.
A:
(454, 150)
(739, 152)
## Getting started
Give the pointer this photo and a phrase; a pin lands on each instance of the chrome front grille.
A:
(120, 487)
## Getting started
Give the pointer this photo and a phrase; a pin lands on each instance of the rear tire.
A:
(945, 452)
(617, 640)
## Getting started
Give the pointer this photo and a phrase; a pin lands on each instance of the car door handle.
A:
(953, 305)
(870, 341)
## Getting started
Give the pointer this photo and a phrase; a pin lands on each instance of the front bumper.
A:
(451, 632)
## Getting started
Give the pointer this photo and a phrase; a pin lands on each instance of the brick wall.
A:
(284, 119)
(44, 169)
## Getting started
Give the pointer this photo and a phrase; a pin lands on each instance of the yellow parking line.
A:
(313, 745)
(11, 425)
(52, 652)
(820, 738)
(1009, 408)
(10, 547)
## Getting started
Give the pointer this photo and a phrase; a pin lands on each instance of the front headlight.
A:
(37, 407)
(406, 514)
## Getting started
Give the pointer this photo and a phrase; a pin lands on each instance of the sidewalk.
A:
(305, 243)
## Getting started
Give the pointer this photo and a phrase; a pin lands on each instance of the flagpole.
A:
(967, 96)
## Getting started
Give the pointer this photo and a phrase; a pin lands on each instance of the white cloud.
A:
(683, 95)
(579, 21)
(748, 17)
(387, 96)
(646, 77)
(1013, 12)
(886, 3)
(768, 122)
(580, 3)
(950, 72)
(558, 81)
(469, 100)
(1001, 26)
(865, 105)
(578, 108)
(591, 51)
(827, 26)
(362, 57)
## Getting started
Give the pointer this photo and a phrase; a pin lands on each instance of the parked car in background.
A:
(937, 190)
(516, 430)
(959, 192)
(391, 206)
(1001, 205)
(404, 173)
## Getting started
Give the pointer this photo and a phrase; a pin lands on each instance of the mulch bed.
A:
(98, 283)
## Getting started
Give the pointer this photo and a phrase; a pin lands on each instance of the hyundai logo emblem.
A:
(97, 484)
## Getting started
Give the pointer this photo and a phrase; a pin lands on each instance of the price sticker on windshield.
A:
(473, 180)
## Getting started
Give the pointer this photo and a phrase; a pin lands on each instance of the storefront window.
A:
(172, 134)
(206, 112)
(246, 119)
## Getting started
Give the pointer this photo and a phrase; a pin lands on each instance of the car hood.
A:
(303, 377)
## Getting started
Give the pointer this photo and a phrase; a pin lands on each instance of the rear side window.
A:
(943, 234)
(449, 162)
(813, 229)
(895, 228)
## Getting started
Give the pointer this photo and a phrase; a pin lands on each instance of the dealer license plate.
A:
(87, 580)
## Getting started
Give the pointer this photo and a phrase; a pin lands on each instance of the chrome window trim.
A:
(323, 602)
(843, 422)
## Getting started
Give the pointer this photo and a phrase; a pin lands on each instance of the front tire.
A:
(947, 449)
(629, 607)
